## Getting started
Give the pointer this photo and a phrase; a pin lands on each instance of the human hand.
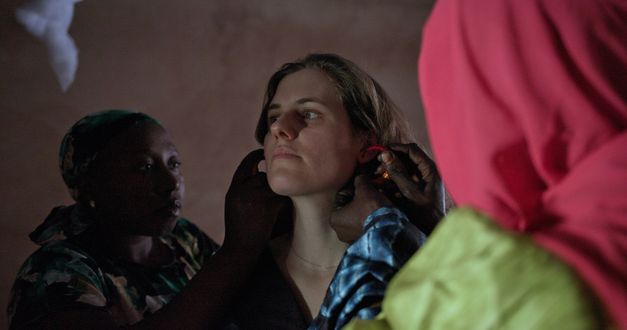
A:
(416, 176)
(348, 221)
(251, 207)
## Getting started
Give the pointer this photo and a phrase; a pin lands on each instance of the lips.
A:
(283, 152)
(172, 208)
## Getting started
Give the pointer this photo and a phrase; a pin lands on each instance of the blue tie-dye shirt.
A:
(357, 289)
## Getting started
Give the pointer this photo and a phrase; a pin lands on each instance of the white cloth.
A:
(49, 20)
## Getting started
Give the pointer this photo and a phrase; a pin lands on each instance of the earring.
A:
(92, 204)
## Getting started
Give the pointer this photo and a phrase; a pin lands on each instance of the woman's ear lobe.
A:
(366, 155)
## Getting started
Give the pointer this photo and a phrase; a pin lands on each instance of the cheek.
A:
(122, 197)
(342, 151)
(182, 188)
(339, 169)
(123, 205)
(340, 159)
(266, 147)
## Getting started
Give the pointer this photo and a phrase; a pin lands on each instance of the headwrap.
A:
(79, 148)
(526, 105)
(90, 135)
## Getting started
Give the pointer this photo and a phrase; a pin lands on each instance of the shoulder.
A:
(56, 276)
(185, 227)
(57, 261)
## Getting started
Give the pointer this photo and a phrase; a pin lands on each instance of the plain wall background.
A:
(198, 66)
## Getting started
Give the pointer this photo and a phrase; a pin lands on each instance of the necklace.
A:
(313, 265)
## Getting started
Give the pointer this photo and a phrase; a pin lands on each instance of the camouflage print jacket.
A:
(64, 275)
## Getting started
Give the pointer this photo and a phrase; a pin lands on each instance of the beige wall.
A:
(198, 66)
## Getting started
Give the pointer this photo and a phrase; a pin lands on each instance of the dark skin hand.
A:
(249, 191)
(415, 177)
(208, 296)
(348, 221)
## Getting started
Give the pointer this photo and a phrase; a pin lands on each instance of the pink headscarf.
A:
(526, 104)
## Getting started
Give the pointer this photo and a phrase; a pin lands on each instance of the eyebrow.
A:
(147, 152)
(299, 101)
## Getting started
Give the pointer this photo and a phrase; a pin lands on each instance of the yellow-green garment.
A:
(472, 274)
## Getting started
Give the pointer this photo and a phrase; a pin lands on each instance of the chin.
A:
(167, 227)
(300, 189)
(293, 183)
(284, 187)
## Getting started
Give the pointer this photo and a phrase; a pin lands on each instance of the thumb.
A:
(248, 166)
(408, 186)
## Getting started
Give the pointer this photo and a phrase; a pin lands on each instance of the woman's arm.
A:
(251, 209)
(201, 305)
(250, 212)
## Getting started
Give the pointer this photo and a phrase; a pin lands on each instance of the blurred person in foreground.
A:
(526, 105)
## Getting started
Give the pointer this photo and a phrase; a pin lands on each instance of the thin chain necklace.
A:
(313, 265)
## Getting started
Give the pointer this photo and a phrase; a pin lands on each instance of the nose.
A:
(287, 126)
(169, 181)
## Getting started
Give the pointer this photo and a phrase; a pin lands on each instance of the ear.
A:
(82, 192)
(364, 155)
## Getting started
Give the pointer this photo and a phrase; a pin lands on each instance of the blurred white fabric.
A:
(49, 20)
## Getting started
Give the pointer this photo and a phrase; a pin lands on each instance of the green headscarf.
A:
(79, 148)
(82, 143)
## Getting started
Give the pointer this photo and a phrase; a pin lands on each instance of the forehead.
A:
(142, 138)
(306, 83)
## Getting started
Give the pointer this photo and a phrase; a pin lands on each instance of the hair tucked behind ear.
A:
(370, 109)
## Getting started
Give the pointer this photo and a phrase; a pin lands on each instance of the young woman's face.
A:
(137, 183)
(310, 147)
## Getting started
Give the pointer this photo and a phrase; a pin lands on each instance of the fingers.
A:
(348, 220)
(248, 167)
(411, 149)
(424, 164)
(408, 183)
(398, 173)
(258, 181)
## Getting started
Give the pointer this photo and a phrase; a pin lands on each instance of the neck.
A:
(314, 242)
(139, 249)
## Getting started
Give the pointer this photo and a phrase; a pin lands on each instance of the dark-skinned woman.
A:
(122, 255)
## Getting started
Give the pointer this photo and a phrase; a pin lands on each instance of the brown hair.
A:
(369, 108)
